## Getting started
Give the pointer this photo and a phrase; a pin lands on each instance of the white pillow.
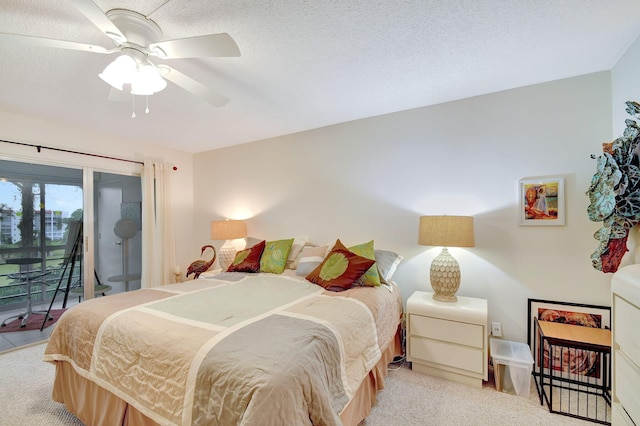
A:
(251, 241)
(387, 262)
(294, 253)
(310, 258)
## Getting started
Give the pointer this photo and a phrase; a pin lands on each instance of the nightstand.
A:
(448, 339)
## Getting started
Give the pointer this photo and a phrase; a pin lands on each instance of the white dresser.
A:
(625, 307)
(448, 339)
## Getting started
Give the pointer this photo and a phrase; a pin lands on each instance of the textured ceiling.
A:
(307, 63)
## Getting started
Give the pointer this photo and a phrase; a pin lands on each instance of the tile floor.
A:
(10, 341)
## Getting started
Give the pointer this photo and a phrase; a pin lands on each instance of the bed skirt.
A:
(93, 405)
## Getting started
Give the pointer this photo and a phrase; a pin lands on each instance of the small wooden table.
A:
(567, 337)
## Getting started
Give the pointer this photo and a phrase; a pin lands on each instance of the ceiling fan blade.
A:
(208, 46)
(193, 86)
(93, 13)
(51, 42)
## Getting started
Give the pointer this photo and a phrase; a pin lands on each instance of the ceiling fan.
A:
(139, 39)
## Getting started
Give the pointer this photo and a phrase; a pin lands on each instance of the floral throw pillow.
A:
(248, 260)
(340, 269)
(275, 255)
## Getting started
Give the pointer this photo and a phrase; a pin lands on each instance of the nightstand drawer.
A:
(626, 318)
(626, 377)
(447, 354)
(450, 331)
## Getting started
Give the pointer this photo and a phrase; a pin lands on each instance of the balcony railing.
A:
(13, 289)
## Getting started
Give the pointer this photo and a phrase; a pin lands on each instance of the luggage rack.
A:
(573, 372)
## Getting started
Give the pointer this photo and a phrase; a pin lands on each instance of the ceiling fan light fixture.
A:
(157, 50)
(147, 81)
(119, 72)
(118, 38)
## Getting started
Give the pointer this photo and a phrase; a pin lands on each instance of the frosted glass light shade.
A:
(119, 72)
(147, 81)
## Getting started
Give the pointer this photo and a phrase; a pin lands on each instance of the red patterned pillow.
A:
(248, 260)
(340, 269)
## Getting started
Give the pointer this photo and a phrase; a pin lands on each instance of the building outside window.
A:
(36, 205)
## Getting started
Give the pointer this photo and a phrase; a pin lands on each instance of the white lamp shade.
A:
(119, 72)
(147, 81)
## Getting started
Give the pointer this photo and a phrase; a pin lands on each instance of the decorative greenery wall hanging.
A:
(614, 194)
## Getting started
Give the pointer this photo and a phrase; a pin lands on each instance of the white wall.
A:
(19, 128)
(625, 85)
(373, 178)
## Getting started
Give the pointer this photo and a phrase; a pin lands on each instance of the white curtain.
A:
(158, 239)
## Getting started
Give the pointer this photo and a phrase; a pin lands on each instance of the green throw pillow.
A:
(274, 257)
(340, 269)
(370, 278)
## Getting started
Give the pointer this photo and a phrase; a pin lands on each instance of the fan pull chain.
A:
(146, 111)
(133, 106)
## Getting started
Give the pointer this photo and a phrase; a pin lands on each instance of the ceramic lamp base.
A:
(226, 255)
(445, 277)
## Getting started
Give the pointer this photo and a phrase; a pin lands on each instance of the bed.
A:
(234, 348)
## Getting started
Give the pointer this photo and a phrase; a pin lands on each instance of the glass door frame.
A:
(89, 215)
(88, 164)
(88, 223)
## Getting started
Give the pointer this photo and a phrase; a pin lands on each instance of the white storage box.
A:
(517, 357)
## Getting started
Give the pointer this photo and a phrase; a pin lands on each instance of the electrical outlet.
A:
(496, 329)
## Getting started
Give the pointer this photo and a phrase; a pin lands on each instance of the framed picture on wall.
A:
(567, 362)
(541, 201)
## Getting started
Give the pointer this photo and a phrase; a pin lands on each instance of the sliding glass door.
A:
(61, 222)
(118, 230)
(38, 206)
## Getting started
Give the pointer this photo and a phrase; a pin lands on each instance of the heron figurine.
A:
(199, 266)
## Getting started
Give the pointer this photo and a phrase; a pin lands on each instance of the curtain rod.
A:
(41, 147)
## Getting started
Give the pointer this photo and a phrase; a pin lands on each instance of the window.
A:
(37, 203)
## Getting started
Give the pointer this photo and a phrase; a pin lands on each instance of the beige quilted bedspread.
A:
(214, 352)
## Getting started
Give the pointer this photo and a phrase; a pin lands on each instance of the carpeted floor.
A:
(408, 399)
(34, 322)
(25, 391)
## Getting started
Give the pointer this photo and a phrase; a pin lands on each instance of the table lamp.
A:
(445, 231)
(227, 230)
